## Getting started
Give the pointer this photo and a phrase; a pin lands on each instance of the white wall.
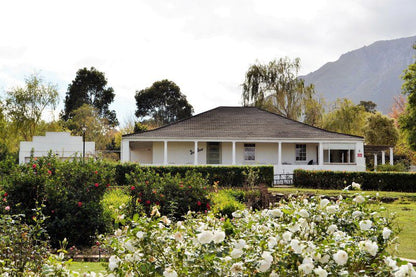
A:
(289, 153)
(62, 144)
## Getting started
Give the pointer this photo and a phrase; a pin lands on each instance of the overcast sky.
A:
(205, 47)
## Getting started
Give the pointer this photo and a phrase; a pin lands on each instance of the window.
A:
(213, 153)
(300, 152)
(339, 156)
(249, 152)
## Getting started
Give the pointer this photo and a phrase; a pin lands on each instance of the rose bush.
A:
(302, 236)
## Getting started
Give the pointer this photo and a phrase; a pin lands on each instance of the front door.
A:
(213, 153)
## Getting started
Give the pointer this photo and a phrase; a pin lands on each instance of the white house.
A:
(245, 136)
(62, 144)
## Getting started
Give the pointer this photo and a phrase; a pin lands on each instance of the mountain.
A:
(368, 73)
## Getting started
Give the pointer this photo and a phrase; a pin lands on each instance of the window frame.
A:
(249, 152)
(300, 153)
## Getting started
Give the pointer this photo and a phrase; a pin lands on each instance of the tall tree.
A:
(314, 111)
(162, 103)
(276, 87)
(398, 108)
(90, 87)
(407, 121)
(345, 117)
(369, 106)
(380, 130)
(25, 105)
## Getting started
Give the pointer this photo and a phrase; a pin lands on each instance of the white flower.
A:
(113, 262)
(306, 266)
(323, 203)
(287, 236)
(356, 214)
(274, 274)
(264, 266)
(170, 272)
(365, 225)
(356, 186)
(267, 256)
(324, 259)
(236, 214)
(236, 253)
(205, 237)
(240, 244)
(386, 233)
(271, 242)
(296, 246)
(368, 246)
(140, 234)
(405, 270)
(390, 262)
(341, 257)
(129, 246)
(218, 236)
(332, 209)
(359, 199)
(165, 220)
(303, 213)
(237, 267)
(332, 228)
(178, 236)
(275, 213)
(118, 233)
(320, 272)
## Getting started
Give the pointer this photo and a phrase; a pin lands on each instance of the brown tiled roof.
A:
(240, 123)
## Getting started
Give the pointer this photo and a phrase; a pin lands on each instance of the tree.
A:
(369, 106)
(90, 87)
(277, 88)
(407, 121)
(314, 111)
(346, 117)
(97, 129)
(380, 130)
(163, 102)
(25, 105)
(398, 108)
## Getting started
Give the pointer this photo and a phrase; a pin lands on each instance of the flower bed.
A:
(298, 237)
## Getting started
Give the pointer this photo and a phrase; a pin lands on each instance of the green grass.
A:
(85, 267)
(404, 209)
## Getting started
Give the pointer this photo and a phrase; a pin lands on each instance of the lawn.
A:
(85, 267)
(404, 208)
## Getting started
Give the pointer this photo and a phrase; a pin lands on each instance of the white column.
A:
(125, 151)
(233, 153)
(279, 154)
(321, 154)
(383, 157)
(195, 152)
(375, 162)
(165, 152)
(391, 155)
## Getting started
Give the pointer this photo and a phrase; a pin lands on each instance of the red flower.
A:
(6, 194)
(96, 185)
(205, 187)
(49, 172)
(146, 182)
(4, 199)
(208, 206)
(53, 211)
(154, 191)
(97, 243)
(96, 172)
(140, 193)
(79, 204)
(157, 203)
(181, 186)
(139, 200)
(107, 185)
(132, 188)
(198, 203)
(162, 196)
(147, 202)
(34, 166)
(190, 187)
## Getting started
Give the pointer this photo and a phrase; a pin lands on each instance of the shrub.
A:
(225, 202)
(225, 175)
(175, 195)
(297, 238)
(383, 181)
(399, 167)
(115, 203)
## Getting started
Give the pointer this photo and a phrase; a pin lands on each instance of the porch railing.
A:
(283, 179)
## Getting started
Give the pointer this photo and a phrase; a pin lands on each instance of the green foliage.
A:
(227, 201)
(314, 111)
(71, 192)
(23, 247)
(398, 167)
(90, 87)
(174, 194)
(114, 203)
(380, 130)
(24, 106)
(276, 87)
(383, 181)
(346, 117)
(224, 175)
(369, 106)
(163, 102)
(407, 121)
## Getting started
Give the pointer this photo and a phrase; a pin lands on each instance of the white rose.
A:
(170, 272)
(113, 262)
(218, 236)
(271, 242)
(341, 257)
(165, 220)
(303, 213)
(140, 235)
(390, 262)
(240, 244)
(332, 209)
(306, 266)
(332, 228)
(320, 272)
(296, 246)
(276, 213)
(274, 274)
(178, 236)
(264, 266)
(267, 256)
(365, 225)
(287, 236)
(324, 259)
(118, 233)
(356, 186)
(368, 246)
(356, 214)
(205, 237)
(359, 199)
(236, 253)
(323, 203)
(386, 233)
(129, 246)
(237, 267)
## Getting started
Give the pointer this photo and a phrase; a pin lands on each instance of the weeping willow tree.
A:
(276, 87)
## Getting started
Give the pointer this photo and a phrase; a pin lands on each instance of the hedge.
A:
(226, 175)
(381, 181)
